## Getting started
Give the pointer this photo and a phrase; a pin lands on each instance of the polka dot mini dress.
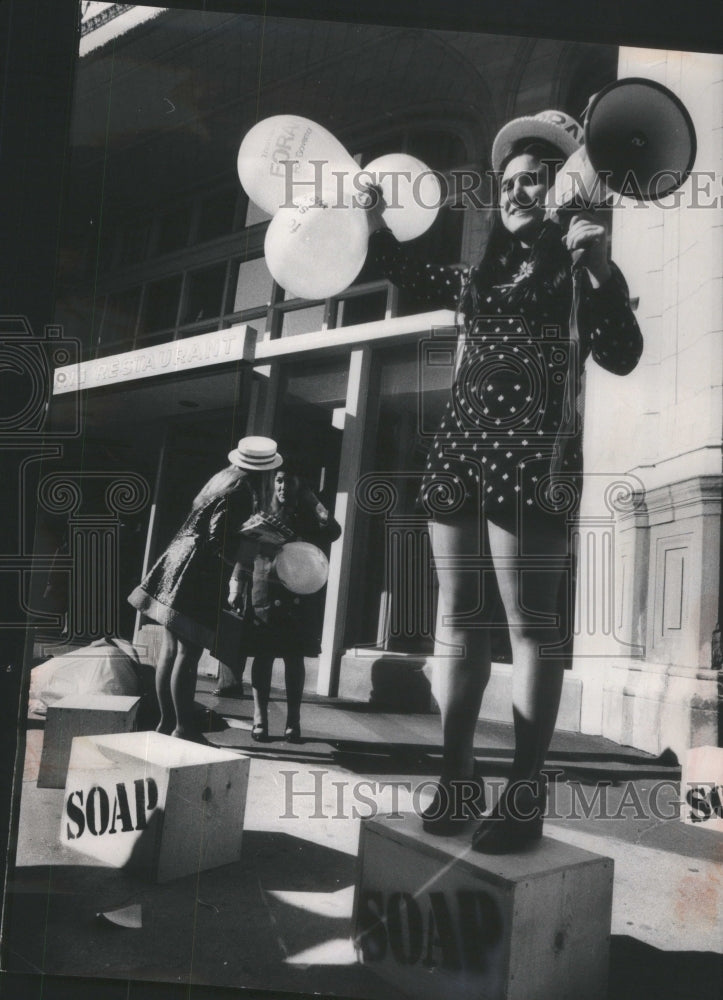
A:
(509, 441)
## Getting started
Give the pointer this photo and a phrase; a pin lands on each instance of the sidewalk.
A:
(280, 919)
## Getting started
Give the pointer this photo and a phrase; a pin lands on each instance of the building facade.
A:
(188, 343)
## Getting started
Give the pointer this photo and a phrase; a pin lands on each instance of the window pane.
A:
(253, 287)
(302, 321)
(204, 293)
(362, 309)
(134, 246)
(217, 214)
(119, 322)
(173, 229)
(149, 339)
(254, 215)
(80, 316)
(196, 331)
(161, 304)
(438, 150)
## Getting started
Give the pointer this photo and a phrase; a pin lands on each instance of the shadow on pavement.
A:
(226, 926)
(639, 970)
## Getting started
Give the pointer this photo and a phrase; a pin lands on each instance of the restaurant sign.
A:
(235, 344)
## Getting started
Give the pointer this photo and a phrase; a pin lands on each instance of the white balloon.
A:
(317, 241)
(301, 567)
(273, 142)
(411, 191)
(316, 248)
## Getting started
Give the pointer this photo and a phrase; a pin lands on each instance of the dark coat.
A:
(276, 621)
(187, 588)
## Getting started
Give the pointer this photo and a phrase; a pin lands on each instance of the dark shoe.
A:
(292, 734)
(191, 736)
(260, 732)
(514, 823)
(230, 691)
(456, 803)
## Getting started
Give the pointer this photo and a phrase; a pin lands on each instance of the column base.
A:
(656, 706)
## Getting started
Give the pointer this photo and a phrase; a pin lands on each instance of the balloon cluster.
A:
(316, 242)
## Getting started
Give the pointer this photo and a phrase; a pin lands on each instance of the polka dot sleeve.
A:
(608, 328)
(434, 285)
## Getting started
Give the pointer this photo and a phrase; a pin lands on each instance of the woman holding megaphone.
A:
(504, 470)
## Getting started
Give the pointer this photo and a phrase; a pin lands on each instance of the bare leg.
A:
(261, 685)
(294, 677)
(529, 594)
(183, 686)
(164, 671)
(529, 588)
(462, 650)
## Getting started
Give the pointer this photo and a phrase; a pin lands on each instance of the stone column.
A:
(662, 425)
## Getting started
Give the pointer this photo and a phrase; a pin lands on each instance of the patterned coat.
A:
(187, 588)
(508, 438)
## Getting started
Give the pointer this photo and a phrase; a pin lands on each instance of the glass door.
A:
(396, 603)
(308, 425)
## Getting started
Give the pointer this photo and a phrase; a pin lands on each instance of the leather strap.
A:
(569, 410)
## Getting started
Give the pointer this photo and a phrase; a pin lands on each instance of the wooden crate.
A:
(162, 805)
(436, 919)
(81, 715)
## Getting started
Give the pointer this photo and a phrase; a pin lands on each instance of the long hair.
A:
(293, 492)
(547, 261)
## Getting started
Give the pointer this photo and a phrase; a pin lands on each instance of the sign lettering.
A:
(97, 814)
(453, 930)
(191, 352)
(705, 803)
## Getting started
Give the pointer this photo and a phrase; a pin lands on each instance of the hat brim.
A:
(530, 128)
(235, 458)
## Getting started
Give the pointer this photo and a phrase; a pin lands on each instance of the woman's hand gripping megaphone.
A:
(587, 241)
(571, 202)
(298, 172)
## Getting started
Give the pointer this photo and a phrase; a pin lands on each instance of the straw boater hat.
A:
(256, 453)
(555, 127)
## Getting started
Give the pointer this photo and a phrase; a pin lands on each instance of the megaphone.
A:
(639, 142)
